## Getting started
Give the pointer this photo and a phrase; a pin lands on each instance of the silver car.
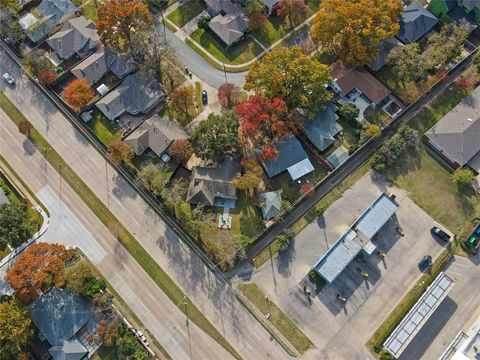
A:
(9, 78)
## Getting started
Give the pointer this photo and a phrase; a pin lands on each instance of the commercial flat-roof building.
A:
(411, 324)
(357, 238)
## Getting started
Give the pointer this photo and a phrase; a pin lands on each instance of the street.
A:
(211, 295)
(74, 224)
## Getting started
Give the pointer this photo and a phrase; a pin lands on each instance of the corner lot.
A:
(341, 331)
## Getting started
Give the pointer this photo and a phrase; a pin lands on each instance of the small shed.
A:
(271, 203)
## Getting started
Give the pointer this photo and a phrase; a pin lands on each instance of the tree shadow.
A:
(285, 258)
(28, 147)
(122, 189)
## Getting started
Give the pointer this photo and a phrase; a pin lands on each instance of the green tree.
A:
(83, 279)
(152, 178)
(16, 329)
(9, 5)
(9, 26)
(216, 137)
(36, 61)
(290, 74)
(407, 62)
(348, 112)
(463, 177)
(16, 225)
(372, 131)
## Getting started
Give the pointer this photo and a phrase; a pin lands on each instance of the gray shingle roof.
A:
(457, 134)
(271, 203)
(470, 4)
(229, 28)
(226, 6)
(415, 22)
(53, 12)
(290, 152)
(383, 51)
(155, 133)
(69, 350)
(321, 130)
(207, 184)
(59, 315)
(135, 95)
(77, 36)
(94, 67)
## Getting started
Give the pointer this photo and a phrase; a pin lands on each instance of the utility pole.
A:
(106, 178)
(185, 303)
(224, 71)
(60, 172)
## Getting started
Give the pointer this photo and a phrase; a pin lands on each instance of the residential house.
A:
(415, 22)
(65, 320)
(228, 22)
(270, 204)
(272, 6)
(456, 10)
(156, 134)
(136, 95)
(383, 51)
(77, 37)
(291, 158)
(97, 65)
(456, 136)
(323, 127)
(358, 82)
(46, 17)
(213, 186)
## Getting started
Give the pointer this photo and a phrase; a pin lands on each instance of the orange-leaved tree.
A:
(36, 269)
(294, 10)
(354, 30)
(119, 20)
(119, 151)
(78, 94)
(181, 150)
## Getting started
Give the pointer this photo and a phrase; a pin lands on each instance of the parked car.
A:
(204, 97)
(9, 78)
(440, 234)
(425, 263)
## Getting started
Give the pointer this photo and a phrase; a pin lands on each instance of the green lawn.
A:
(350, 132)
(168, 286)
(274, 29)
(239, 53)
(186, 12)
(376, 116)
(246, 218)
(89, 10)
(278, 318)
(104, 129)
(5, 252)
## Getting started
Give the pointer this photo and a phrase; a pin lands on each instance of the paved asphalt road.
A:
(73, 223)
(199, 66)
(214, 298)
(350, 166)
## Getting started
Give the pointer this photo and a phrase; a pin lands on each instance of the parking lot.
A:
(340, 331)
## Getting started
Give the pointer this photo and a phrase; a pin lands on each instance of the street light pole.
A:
(224, 71)
(184, 303)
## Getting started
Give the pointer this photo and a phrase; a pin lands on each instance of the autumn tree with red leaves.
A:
(264, 121)
(39, 267)
(127, 17)
(294, 10)
(256, 22)
(78, 94)
(229, 95)
(120, 151)
(46, 77)
(181, 150)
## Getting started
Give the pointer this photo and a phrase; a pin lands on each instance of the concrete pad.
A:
(66, 229)
(340, 331)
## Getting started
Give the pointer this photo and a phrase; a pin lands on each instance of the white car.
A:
(9, 78)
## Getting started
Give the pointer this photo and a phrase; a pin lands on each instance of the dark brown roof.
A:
(361, 79)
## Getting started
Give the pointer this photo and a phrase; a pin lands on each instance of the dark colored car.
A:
(440, 234)
(204, 97)
(425, 263)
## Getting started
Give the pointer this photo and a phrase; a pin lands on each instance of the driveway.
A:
(341, 331)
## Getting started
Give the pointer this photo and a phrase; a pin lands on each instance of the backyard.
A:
(186, 12)
(104, 129)
(239, 53)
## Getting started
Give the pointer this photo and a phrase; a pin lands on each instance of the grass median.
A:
(281, 321)
(150, 266)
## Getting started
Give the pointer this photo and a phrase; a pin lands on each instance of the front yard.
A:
(239, 53)
(186, 12)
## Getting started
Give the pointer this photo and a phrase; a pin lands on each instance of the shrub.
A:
(203, 22)
(463, 177)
